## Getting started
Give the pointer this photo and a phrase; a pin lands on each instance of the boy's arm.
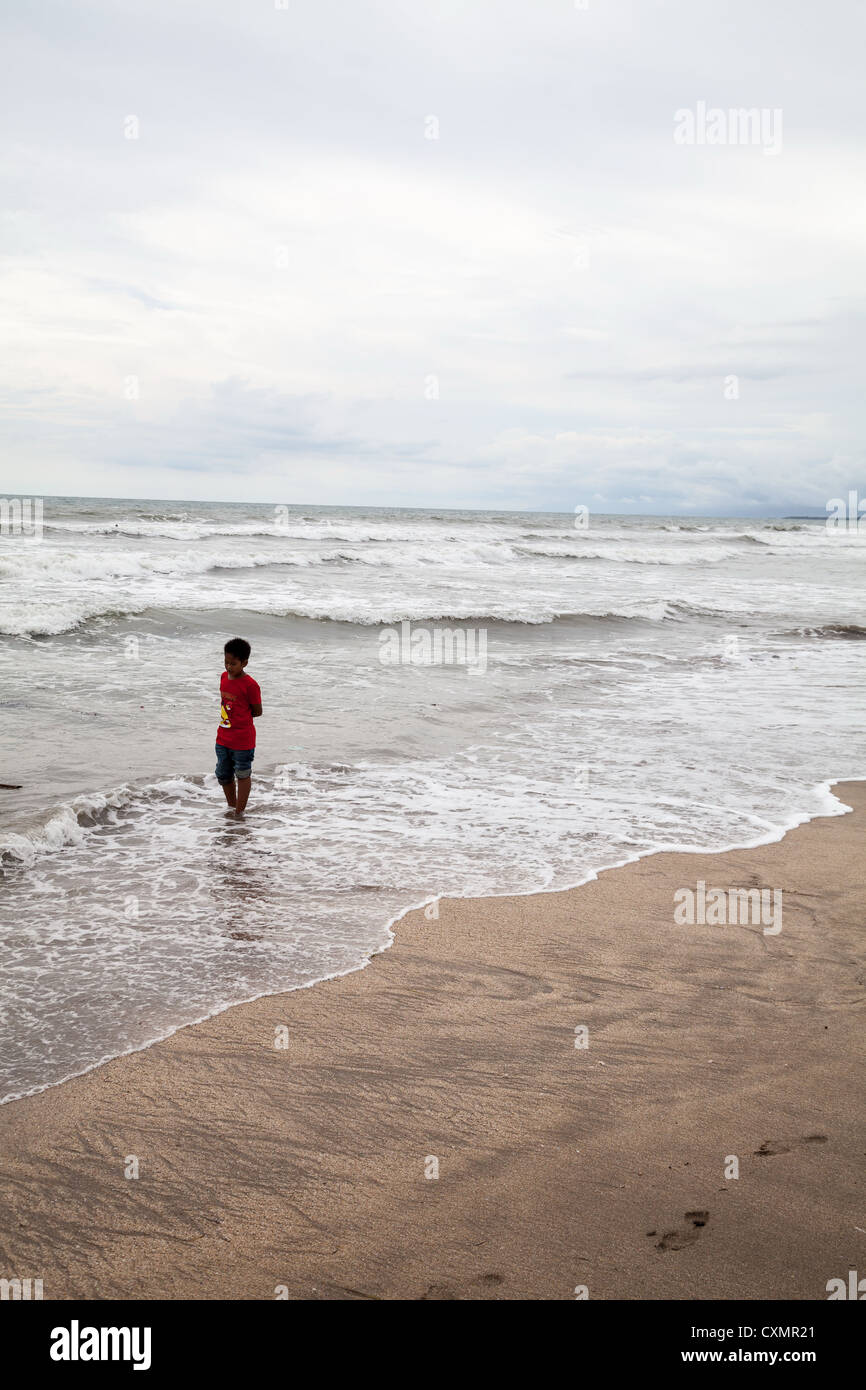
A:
(255, 711)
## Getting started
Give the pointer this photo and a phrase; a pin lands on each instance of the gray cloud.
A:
(282, 289)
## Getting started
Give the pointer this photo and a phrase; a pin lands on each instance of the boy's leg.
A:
(225, 774)
(243, 762)
(243, 795)
(231, 796)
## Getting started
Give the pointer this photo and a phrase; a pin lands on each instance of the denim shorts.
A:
(233, 762)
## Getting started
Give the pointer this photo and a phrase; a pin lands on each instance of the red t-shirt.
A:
(237, 729)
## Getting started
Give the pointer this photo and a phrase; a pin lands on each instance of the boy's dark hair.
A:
(239, 647)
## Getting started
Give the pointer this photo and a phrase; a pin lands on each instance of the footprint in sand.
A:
(775, 1146)
(685, 1235)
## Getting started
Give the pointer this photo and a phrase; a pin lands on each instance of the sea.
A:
(456, 703)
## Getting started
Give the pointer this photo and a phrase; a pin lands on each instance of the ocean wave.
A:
(852, 632)
(51, 619)
(41, 562)
(797, 538)
(722, 533)
(546, 553)
(347, 532)
(619, 553)
(31, 563)
(552, 534)
(655, 611)
(723, 530)
(807, 540)
(70, 823)
(55, 619)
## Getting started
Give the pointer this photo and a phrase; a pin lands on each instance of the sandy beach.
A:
(307, 1170)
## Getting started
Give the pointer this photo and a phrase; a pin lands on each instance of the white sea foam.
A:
(70, 824)
(621, 553)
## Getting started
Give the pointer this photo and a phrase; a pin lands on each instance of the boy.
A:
(241, 701)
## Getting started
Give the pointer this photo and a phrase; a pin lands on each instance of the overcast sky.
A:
(285, 290)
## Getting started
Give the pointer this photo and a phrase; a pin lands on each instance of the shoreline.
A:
(390, 926)
(304, 1167)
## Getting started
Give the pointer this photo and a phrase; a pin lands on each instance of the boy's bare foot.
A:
(230, 812)
(238, 815)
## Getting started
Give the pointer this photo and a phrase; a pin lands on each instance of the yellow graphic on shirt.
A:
(225, 722)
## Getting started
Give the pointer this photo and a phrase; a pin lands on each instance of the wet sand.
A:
(560, 1167)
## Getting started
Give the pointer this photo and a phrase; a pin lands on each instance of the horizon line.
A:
(418, 507)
